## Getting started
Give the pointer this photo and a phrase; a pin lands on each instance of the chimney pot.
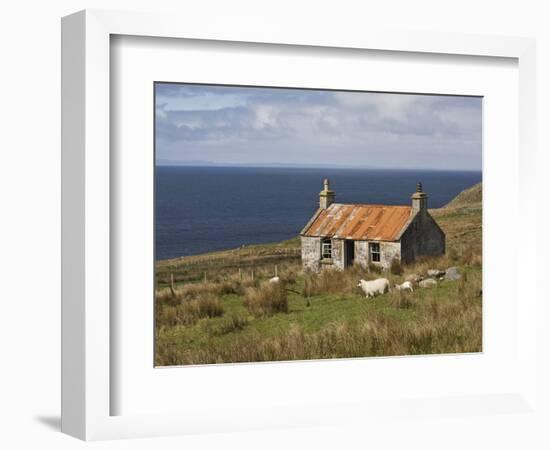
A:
(326, 196)
(419, 199)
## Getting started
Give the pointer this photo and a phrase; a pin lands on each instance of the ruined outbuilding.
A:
(340, 235)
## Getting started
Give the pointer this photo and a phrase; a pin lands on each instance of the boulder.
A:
(436, 273)
(452, 273)
(427, 283)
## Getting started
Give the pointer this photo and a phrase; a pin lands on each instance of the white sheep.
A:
(407, 285)
(428, 283)
(374, 287)
(274, 280)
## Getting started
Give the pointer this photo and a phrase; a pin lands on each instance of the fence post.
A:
(275, 269)
(172, 285)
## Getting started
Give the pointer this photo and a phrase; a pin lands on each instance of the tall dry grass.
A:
(233, 322)
(188, 312)
(396, 267)
(267, 299)
(344, 283)
(330, 281)
(229, 285)
(456, 255)
(191, 301)
(444, 330)
(449, 324)
(402, 299)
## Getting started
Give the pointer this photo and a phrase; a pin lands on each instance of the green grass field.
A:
(222, 309)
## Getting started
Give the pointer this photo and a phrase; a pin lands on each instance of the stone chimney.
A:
(419, 199)
(326, 196)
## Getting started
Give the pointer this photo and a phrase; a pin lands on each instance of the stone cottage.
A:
(340, 235)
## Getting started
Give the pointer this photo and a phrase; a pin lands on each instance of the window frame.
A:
(372, 252)
(326, 242)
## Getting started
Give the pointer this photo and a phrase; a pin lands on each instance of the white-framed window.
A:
(326, 249)
(374, 248)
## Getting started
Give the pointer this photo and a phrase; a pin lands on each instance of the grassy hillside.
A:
(470, 197)
(222, 309)
(461, 220)
(218, 265)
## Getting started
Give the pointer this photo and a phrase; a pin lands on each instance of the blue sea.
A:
(203, 209)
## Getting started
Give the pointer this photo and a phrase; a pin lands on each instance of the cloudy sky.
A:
(264, 126)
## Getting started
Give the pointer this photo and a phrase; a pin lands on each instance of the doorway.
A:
(349, 253)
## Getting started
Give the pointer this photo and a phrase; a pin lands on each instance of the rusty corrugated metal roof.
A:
(360, 222)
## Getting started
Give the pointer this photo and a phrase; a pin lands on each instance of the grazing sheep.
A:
(427, 283)
(436, 273)
(415, 278)
(274, 280)
(374, 287)
(407, 285)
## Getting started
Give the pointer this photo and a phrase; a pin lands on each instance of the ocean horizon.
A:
(199, 209)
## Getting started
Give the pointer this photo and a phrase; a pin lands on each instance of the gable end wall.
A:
(423, 237)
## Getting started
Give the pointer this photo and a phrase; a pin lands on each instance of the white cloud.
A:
(392, 106)
(252, 124)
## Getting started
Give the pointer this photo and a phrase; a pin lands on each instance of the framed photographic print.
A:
(289, 215)
(253, 263)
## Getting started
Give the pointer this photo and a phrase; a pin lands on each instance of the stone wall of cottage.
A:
(338, 254)
(311, 253)
(388, 251)
(362, 253)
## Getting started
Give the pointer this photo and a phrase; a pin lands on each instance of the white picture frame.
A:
(87, 353)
